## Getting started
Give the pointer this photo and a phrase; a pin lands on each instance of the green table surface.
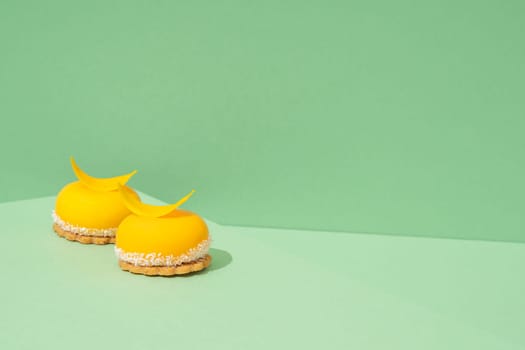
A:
(266, 288)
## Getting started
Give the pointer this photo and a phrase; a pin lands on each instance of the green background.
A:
(402, 117)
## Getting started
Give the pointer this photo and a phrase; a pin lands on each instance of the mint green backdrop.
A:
(402, 117)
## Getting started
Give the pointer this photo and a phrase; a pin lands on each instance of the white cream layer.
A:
(84, 231)
(157, 259)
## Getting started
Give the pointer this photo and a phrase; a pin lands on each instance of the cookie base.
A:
(71, 236)
(183, 269)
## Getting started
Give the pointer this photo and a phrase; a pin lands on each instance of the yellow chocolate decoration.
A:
(151, 211)
(99, 184)
(160, 232)
(93, 203)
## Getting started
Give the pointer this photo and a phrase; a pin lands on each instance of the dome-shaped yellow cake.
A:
(161, 240)
(89, 210)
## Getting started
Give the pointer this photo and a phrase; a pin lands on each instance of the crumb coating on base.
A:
(83, 231)
(82, 239)
(158, 259)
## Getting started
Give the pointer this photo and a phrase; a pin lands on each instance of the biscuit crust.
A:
(182, 269)
(82, 238)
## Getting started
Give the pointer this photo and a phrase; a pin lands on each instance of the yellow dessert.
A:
(161, 240)
(89, 210)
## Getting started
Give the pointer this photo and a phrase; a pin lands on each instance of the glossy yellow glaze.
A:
(173, 234)
(79, 205)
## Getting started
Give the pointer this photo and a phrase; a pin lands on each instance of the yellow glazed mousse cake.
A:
(89, 210)
(161, 240)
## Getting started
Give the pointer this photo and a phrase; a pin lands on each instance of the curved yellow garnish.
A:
(148, 210)
(98, 184)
